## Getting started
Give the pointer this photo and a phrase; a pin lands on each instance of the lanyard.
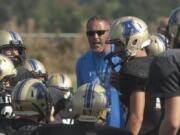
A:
(103, 75)
(102, 69)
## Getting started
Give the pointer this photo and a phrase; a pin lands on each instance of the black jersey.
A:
(57, 99)
(134, 76)
(63, 129)
(164, 74)
(61, 105)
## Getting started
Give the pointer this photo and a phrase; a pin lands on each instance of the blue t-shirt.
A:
(93, 68)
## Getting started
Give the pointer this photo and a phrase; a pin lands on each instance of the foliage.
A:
(68, 15)
(56, 16)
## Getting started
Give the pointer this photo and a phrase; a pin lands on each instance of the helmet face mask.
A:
(7, 72)
(61, 82)
(5, 83)
(37, 69)
(132, 32)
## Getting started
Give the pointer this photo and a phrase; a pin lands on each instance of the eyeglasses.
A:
(98, 32)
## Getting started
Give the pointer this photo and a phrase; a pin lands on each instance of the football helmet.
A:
(90, 104)
(62, 82)
(130, 34)
(174, 24)
(9, 39)
(30, 97)
(159, 43)
(7, 68)
(36, 68)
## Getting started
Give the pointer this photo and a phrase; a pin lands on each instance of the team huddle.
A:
(128, 82)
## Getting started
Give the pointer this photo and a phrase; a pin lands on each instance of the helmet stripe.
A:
(13, 35)
(62, 77)
(162, 40)
(88, 96)
(173, 18)
(20, 87)
(33, 64)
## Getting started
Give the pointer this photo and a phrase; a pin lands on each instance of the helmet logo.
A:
(40, 91)
(129, 28)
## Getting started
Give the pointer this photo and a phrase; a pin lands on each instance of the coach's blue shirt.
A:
(92, 67)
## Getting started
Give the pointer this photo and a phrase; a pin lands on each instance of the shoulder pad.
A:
(138, 67)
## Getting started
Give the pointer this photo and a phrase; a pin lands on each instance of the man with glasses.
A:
(93, 67)
(93, 60)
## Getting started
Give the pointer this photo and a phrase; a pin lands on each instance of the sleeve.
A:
(164, 77)
(129, 83)
(165, 87)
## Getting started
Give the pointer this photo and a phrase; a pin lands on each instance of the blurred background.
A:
(54, 30)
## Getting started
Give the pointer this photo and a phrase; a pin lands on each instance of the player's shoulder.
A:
(137, 67)
(165, 64)
(169, 58)
(170, 53)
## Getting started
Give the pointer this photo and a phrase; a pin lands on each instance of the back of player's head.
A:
(90, 104)
(31, 98)
(159, 44)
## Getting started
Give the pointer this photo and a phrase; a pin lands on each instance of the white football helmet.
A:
(61, 82)
(159, 43)
(130, 34)
(30, 97)
(174, 24)
(36, 68)
(90, 104)
(13, 39)
(7, 68)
